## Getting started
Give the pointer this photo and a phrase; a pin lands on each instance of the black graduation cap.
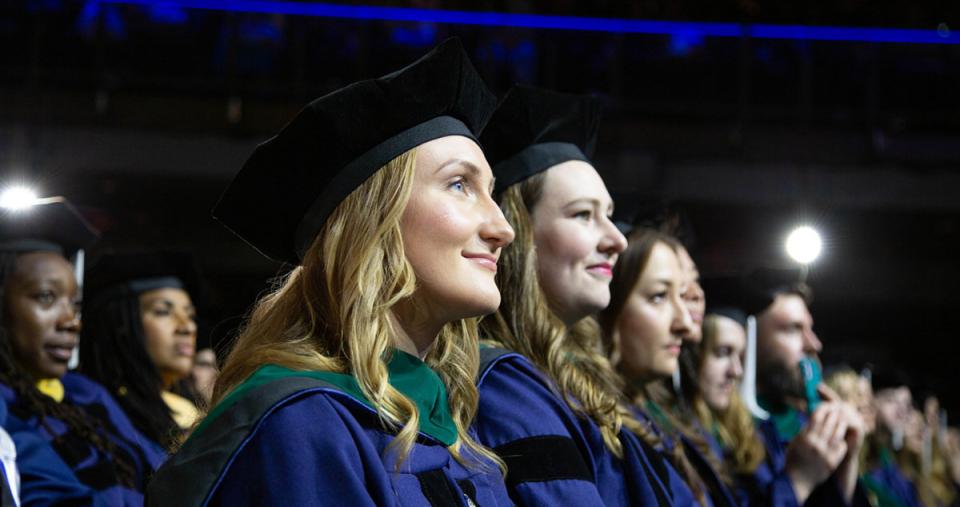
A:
(726, 296)
(889, 376)
(116, 274)
(535, 129)
(285, 191)
(53, 225)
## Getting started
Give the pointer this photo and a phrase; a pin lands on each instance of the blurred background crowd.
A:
(751, 118)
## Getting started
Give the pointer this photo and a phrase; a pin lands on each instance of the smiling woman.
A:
(94, 455)
(582, 447)
(353, 381)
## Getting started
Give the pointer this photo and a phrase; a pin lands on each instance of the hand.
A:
(849, 469)
(818, 449)
(856, 427)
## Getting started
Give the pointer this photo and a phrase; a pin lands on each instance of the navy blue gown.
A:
(765, 486)
(554, 456)
(57, 465)
(289, 437)
(885, 478)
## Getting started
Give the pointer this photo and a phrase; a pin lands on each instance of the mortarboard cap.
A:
(889, 376)
(132, 273)
(726, 297)
(285, 191)
(54, 226)
(535, 129)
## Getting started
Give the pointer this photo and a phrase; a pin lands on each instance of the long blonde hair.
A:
(734, 425)
(570, 356)
(333, 314)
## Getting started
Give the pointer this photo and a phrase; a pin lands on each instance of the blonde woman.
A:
(550, 404)
(353, 381)
(716, 403)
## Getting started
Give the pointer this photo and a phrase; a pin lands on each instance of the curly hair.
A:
(333, 313)
(571, 356)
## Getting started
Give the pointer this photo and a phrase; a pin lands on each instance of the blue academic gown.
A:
(716, 494)
(887, 477)
(555, 457)
(774, 482)
(57, 465)
(766, 486)
(310, 439)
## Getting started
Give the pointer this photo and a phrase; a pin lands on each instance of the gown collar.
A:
(407, 374)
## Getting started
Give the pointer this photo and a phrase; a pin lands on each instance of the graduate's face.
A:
(650, 327)
(893, 406)
(204, 372)
(784, 337)
(453, 231)
(576, 242)
(693, 295)
(42, 314)
(722, 366)
(170, 332)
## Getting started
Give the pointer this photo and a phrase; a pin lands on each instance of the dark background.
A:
(142, 114)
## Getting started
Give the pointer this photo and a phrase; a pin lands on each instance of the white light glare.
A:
(804, 245)
(18, 198)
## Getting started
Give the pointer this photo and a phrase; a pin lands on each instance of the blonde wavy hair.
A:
(334, 313)
(570, 356)
(734, 426)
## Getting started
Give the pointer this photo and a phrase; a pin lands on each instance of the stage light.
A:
(804, 244)
(18, 197)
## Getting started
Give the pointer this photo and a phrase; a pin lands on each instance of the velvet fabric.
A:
(535, 129)
(519, 403)
(281, 198)
(51, 227)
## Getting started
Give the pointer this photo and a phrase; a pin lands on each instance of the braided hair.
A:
(31, 402)
(113, 352)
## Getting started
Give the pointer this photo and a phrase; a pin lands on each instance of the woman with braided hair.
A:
(139, 337)
(39, 325)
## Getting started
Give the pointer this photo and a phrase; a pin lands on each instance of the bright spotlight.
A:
(804, 245)
(18, 198)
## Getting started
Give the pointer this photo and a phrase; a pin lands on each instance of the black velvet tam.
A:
(53, 226)
(291, 183)
(132, 273)
(727, 296)
(535, 129)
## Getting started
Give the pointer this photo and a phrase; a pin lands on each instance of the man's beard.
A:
(778, 383)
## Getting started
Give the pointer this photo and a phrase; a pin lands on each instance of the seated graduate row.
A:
(464, 326)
